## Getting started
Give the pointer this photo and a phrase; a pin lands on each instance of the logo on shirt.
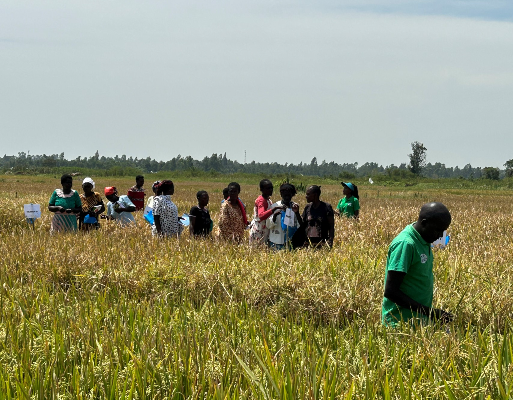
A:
(423, 258)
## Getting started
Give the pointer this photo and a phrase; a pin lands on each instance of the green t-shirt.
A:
(348, 206)
(411, 254)
(71, 200)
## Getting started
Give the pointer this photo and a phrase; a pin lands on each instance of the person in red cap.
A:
(119, 208)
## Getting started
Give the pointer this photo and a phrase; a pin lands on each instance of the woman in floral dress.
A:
(232, 218)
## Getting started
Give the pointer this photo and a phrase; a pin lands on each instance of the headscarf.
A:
(88, 180)
(110, 190)
(164, 184)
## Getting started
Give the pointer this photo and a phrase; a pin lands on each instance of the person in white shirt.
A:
(165, 213)
(119, 208)
(285, 221)
(154, 188)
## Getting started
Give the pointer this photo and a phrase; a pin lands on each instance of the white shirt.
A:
(276, 233)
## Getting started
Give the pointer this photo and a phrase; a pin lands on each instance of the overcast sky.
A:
(344, 81)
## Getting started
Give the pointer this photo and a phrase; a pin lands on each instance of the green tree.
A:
(417, 158)
(509, 168)
(491, 173)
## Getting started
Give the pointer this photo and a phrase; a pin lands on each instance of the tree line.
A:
(219, 163)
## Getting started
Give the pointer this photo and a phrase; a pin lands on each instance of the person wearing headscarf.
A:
(349, 206)
(92, 206)
(154, 188)
(119, 208)
(318, 219)
(65, 204)
(165, 213)
(232, 218)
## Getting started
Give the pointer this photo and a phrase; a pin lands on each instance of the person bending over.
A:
(408, 293)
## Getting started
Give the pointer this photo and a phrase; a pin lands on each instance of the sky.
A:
(284, 81)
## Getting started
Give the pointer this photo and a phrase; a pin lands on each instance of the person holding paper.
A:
(119, 208)
(65, 204)
(408, 293)
(349, 206)
(154, 188)
(232, 218)
(318, 220)
(200, 221)
(165, 213)
(92, 206)
(259, 232)
(285, 220)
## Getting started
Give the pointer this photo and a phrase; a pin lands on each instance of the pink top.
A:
(263, 211)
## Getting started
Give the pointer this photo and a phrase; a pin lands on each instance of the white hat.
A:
(88, 180)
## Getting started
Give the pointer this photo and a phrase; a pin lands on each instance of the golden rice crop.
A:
(118, 313)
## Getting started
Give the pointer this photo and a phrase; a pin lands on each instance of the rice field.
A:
(118, 314)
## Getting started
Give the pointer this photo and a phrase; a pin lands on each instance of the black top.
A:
(202, 223)
(316, 221)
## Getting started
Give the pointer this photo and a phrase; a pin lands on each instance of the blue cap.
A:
(349, 185)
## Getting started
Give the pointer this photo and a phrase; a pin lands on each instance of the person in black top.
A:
(318, 219)
(200, 221)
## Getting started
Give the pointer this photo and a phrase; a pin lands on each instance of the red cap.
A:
(109, 190)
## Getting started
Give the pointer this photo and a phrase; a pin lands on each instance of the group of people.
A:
(408, 286)
(278, 224)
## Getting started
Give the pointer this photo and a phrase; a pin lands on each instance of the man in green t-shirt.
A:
(409, 272)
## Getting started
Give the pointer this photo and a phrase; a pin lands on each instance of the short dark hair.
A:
(64, 177)
(225, 193)
(264, 182)
(315, 189)
(234, 184)
(201, 193)
(288, 186)
(139, 177)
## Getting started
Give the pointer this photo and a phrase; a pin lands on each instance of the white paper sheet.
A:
(289, 217)
(32, 210)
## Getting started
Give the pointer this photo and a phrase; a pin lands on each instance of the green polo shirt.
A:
(347, 206)
(411, 254)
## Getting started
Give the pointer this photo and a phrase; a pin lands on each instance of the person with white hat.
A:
(92, 206)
